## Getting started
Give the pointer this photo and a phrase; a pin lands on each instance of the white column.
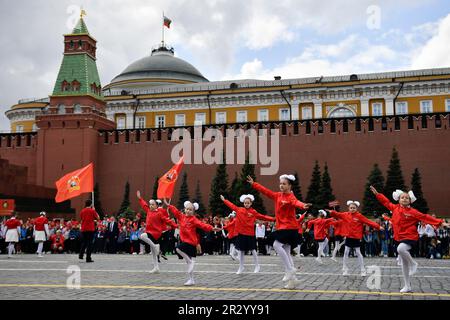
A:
(129, 120)
(389, 106)
(318, 109)
(295, 115)
(365, 107)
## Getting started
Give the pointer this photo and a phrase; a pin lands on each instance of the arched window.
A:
(77, 108)
(61, 109)
(342, 113)
(65, 86)
(71, 44)
(75, 85)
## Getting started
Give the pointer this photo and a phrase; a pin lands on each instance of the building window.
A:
(401, 107)
(342, 113)
(77, 108)
(241, 116)
(447, 105)
(141, 122)
(180, 120)
(221, 117)
(160, 121)
(61, 109)
(19, 128)
(200, 119)
(426, 106)
(284, 115)
(263, 115)
(377, 109)
(306, 113)
(121, 123)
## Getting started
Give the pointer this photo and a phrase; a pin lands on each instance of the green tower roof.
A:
(80, 28)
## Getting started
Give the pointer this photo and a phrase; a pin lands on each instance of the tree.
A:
(233, 193)
(314, 187)
(155, 189)
(326, 191)
(126, 199)
(127, 213)
(416, 186)
(219, 186)
(184, 192)
(296, 187)
(96, 201)
(199, 199)
(243, 187)
(394, 179)
(370, 203)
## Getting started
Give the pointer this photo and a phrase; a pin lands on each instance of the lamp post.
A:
(136, 105)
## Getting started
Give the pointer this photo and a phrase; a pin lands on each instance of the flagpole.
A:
(93, 204)
(163, 31)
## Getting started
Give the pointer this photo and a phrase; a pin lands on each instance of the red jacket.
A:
(88, 216)
(231, 228)
(354, 223)
(404, 220)
(321, 226)
(339, 228)
(245, 219)
(285, 204)
(57, 240)
(12, 224)
(188, 226)
(156, 220)
(39, 223)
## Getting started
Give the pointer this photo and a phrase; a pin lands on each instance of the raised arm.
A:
(174, 211)
(426, 218)
(229, 204)
(261, 216)
(369, 222)
(142, 202)
(204, 226)
(382, 199)
(262, 189)
(335, 214)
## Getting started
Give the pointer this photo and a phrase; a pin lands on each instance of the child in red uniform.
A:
(188, 225)
(339, 234)
(354, 223)
(404, 221)
(231, 228)
(300, 234)
(245, 228)
(57, 242)
(12, 233)
(41, 232)
(286, 234)
(321, 225)
(155, 224)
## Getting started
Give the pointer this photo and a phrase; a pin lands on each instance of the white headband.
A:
(397, 193)
(323, 212)
(187, 203)
(42, 213)
(349, 202)
(232, 215)
(288, 177)
(245, 196)
(158, 201)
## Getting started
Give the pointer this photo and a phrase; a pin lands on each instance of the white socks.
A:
(278, 246)
(337, 246)
(360, 259)
(345, 259)
(190, 268)
(10, 249)
(40, 247)
(255, 261)
(155, 250)
(241, 262)
(409, 266)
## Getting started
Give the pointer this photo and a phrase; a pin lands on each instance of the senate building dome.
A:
(158, 69)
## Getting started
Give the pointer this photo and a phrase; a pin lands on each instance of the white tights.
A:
(358, 254)
(10, 248)
(322, 246)
(407, 262)
(40, 247)
(241, 259)
(144, 237)
(337, 247)
(284, 251)
(188, 261)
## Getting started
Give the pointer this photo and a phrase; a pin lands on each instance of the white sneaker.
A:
(345, 272)
(191, 266)
(413, 269)
(40, 256)
(334, 259)
(154, 270)
(257, 269)
(363, 273)
(319, 260)
(190, 282)
(232, 258)
(406, 289)
(290, 275)
(302, 255)
(290, 285)
(240, 270)
(285, 278)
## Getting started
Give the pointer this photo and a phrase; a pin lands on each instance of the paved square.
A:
(127, 277)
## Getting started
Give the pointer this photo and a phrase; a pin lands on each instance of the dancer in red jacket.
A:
(354, 224)
(404, 221)
(155, 223)
(321, 226)
(188, 225)
(232, 235)
(41, 232)
(245, 228)
(300, 221)
(286, 234)
(12, 233)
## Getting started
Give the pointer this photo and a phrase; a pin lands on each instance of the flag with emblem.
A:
(6, 207)
(75, 183)
(167, 22)
(166, 183)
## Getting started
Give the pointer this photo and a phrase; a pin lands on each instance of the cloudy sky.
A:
(224, 39)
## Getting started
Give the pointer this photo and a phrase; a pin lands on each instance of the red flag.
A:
(167, 22)
(75, 183)
(7, 207)
(333, 204)
(166, 183)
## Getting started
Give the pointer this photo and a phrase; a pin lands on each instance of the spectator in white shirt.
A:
(260, 234)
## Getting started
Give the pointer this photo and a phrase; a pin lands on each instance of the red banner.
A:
(333, 204)
(166, 183)
(75, 183)
(7, 207)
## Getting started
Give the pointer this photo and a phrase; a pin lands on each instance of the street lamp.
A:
(136, 106)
